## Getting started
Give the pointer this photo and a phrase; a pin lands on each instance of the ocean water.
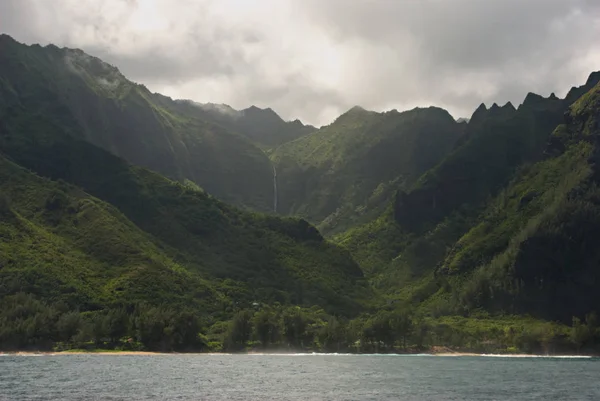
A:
(296, 377)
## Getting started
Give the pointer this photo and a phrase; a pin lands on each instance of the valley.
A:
(132, 221)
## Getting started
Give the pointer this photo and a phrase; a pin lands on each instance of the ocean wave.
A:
(425, 355)
(537, 356)
(333, 354)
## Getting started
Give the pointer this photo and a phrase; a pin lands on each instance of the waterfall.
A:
(274, 189)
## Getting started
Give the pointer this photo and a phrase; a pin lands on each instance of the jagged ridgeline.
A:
(209, 146)
(534, 249)
(504, 223)
(496, 142)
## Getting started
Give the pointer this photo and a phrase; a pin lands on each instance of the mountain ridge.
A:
(459, 261)
(477, 235)
(355, 153)
(128, 120)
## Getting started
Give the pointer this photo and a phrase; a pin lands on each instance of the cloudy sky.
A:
(314, 59)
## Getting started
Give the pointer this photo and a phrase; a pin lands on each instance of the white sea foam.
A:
(425, 355)
(537, 356)
(333, 354)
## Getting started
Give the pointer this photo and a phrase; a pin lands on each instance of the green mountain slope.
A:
(74, 268)
(265, 127)
(497, 141)
(415, 240)
(114, 230)
(275, 257)
(536, 244)
(262, 126)
(64, 245)
(349, 169)
(100, 244)
(92, 99)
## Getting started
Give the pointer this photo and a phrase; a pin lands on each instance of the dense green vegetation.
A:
(196, 255)
(85, 232)
(508, 233)
(477, 236)
(201, 230)
(93, 100)
(497, 141)
(536, 242)
(346, 173)
(28, 323)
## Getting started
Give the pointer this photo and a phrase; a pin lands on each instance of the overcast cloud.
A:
(314, 59)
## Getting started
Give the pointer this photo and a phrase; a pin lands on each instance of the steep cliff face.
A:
(534, 251)
(87, 97)
(505, 223)
(497, 141)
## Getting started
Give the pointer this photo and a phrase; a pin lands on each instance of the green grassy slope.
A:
(94, 100)
(346, 172)
(517, 263)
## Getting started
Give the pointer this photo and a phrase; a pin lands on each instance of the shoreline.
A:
(431, 353)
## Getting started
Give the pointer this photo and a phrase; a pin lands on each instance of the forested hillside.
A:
(533, 250)
(346, 172)
(85, 232)
(503, 223)
(124, 221)
(158, 243)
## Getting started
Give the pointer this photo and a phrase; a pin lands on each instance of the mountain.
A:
(201, 228)
(497, 140)
(93, 100)
(116, 229)
(60, 243)
(263, 127)
(345, 170)
(504, 224)
(534, 251)
(92, 247)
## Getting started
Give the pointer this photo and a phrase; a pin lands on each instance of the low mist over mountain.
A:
(263, 126)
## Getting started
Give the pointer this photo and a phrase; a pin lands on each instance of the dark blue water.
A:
(296, 377)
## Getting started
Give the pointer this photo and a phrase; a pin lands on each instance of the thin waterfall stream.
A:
(274, 189)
